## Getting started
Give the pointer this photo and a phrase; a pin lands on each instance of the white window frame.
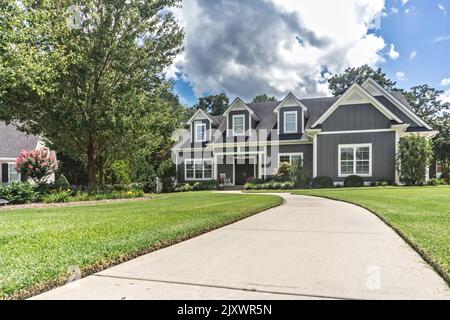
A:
(290, 154)
(354, 147)
(12, 169)
(285, 114)
(243, 124)
(194, 161)
(197, 125)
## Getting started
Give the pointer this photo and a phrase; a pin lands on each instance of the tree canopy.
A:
(213, 104)
(264, 98)
(93, 88)
(339, 83)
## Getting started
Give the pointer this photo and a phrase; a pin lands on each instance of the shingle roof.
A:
(12, 141)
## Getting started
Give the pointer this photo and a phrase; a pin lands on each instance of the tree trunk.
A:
(92, 183)
(101, 172)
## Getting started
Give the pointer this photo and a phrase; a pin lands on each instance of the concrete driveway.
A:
(308, 248)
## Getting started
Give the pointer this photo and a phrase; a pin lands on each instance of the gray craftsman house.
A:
(353, 134)
(12, 142)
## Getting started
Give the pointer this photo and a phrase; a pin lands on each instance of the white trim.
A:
(211, 146)
(244, 156)
(340, 102)
(290, 95)
(207, 116)
(234, 116)
(201, 124)
(396, 102)
(356, 131)
(315, 156)
(354, 146)
(199, 160)
(289, 154)
(243, 104)
(8, 159)
(397, 173)
(285, 114)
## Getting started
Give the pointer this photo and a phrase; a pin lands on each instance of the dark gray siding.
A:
(208, 127)
(395, 110)
(189, 155)
(230, 120)
(284, 136)
(383, 153)
(307, 150)
(355, 117)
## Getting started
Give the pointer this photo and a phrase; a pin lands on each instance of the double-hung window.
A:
(239, 125)
(200, 132)
(289, 157)
(355, 159)
(13, 174)
(290, 122)
(198, 169)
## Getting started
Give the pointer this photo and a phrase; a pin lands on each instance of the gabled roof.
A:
(238, 101)
(286, 99)
(399, 102)
(353, 93)
(13, 141)
(200, 111)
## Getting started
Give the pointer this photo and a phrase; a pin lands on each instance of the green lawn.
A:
(419, 214)
(38, 246)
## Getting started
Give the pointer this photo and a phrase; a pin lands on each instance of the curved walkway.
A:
(308, 248)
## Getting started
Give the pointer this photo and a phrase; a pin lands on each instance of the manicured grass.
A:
(39, 246)
(420, 214)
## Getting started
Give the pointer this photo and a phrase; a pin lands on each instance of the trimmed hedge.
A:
(322, 182)
(198, 186)
(353, 181)
(271, 185)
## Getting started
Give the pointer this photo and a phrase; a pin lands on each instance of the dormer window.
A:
(239, 125)
(200, 132)
(290, 122)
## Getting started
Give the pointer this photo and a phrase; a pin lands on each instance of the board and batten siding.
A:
(383, 153)
(289, 136)
(355, 117)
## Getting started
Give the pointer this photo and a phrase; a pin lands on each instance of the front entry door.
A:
(244, 169)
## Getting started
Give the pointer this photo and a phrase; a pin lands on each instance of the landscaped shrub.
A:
(18, 193)
(198, 186)
(322, 182)
(413, 159)
(353, 181)
(57, 197)
(37, 165)
(271, 185)
(300, 174)
(436, 182)
(84, 196)
(255, 180)
(166, 173)
(118, 173)
(283, 173)
(61, 183)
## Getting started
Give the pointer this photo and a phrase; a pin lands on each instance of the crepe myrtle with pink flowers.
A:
(37, 165)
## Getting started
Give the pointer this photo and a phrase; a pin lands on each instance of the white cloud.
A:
(441, 38)
(394, 10)
(274, 46)
(441, 7)
(392, 53)
(445, 82)
(413, 54)
(404, 2)
(401, 76)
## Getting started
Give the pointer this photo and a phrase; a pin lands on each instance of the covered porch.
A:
(237, 168)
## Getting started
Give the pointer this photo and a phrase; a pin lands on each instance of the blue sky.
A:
(416, 48)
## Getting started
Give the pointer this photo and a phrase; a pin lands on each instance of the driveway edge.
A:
(412, 244)
(90, 270)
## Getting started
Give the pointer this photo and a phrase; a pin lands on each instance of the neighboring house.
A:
(356, 133)
(12, 142)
